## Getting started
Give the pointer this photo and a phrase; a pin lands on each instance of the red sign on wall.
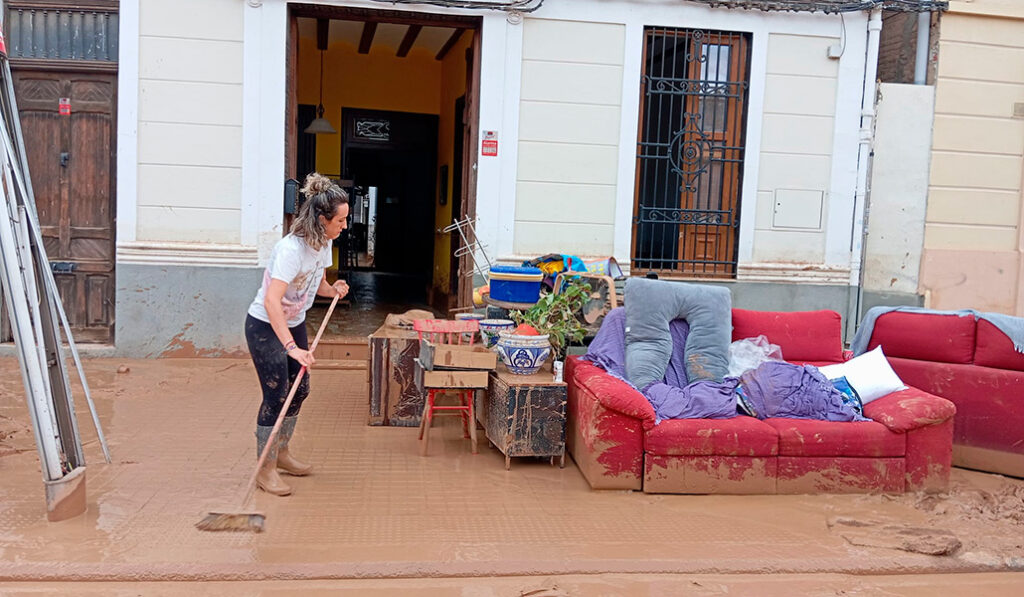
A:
(64, 107)
(489, 144)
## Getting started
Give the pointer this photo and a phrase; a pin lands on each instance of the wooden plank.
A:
(343, 351)
(341, 364)
(384, 16)
(448, 45)
(455, 379)
(456, 356)
(410, 38)
(369, 29)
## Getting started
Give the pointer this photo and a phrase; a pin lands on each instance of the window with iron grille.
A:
(690, 152)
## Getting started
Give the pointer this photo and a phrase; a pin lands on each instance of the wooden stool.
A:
(443, 331)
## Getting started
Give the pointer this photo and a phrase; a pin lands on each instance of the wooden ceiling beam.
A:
(448, 45)
(323, 29)
(410, 38)
(369, 29)
(383, 16)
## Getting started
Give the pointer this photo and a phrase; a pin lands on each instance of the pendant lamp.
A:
(320, 125)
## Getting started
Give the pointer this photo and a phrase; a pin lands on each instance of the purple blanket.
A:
(778, 389)
(775, 389)
(672, 397)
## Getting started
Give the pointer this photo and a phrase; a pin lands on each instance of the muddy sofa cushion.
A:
(865, 439)
(989, 402)
(995, 349)
(803, 335)
(739, 436)
(910, 409)
(925, 336)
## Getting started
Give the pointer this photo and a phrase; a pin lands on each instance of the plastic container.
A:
(515, 284)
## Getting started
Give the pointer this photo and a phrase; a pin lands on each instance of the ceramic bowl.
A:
(523, 355)
(489, 329)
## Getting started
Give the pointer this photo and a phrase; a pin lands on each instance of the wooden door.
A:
(458, 158)
(71, 160)
(712, 139)
(470, 153)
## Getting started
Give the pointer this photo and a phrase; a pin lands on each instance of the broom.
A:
(250, 520)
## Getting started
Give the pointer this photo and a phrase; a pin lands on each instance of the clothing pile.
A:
(772, 389)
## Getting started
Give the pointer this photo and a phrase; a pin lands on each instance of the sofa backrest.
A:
(995, 349)
(802, 335)
(925, 337)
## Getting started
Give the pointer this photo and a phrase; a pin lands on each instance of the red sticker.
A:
(64, 108)
(489, 145)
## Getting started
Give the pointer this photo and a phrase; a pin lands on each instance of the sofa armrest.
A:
(910, 409)
(613, 393)
(606, 443)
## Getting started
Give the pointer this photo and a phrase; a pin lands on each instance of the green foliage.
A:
(557, 316)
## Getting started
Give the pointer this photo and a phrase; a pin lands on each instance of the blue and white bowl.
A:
(523, 355)
(489, 329)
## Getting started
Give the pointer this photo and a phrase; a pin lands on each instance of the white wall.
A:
(548, 87)
(189, 139)
(796, 150)
(568, 139)
(899, 187)
(802, 133)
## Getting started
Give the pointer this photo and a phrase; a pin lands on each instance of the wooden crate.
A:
(524, 415)
(456, 356)
(394, 398)
(343, 349)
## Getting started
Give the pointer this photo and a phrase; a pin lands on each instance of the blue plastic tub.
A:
(515, 284)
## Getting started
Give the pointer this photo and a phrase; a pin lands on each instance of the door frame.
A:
(472, 24)
(73, 67)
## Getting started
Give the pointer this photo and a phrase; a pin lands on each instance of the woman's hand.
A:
(341, 287)
(304, 357)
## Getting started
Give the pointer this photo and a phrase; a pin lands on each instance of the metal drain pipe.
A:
(924, 24)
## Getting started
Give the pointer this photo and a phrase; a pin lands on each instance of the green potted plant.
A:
(557, 316)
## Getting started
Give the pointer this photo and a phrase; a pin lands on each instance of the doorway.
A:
(690, 152)
(390, 85)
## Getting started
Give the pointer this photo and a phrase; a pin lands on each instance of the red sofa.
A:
(613, 438)
(973, 364)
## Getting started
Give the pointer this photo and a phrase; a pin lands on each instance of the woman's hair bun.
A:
(316, 184)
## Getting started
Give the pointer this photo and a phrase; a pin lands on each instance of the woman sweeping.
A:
(275, 327)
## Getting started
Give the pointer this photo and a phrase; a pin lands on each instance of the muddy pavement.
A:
(181, 436)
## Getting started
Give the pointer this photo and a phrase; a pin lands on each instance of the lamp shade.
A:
(320, 126)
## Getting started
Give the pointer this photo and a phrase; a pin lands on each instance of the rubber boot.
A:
(285, 461)
(267, 479)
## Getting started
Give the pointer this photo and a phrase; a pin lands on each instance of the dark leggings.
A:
(276, 370)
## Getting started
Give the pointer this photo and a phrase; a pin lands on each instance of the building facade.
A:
(705, 143)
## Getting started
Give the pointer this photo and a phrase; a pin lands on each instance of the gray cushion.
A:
(652, 304)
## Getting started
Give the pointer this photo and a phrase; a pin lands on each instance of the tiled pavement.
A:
(180, 433)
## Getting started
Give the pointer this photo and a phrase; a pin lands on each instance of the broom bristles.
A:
(239, 521)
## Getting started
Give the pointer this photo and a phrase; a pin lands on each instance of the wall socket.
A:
(835, 51)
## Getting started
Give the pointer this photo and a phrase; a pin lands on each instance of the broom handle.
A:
(284, 409)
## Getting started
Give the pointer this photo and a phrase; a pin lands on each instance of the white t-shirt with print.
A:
(302, 267)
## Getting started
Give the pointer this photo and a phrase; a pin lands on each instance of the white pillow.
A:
(870, 374)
